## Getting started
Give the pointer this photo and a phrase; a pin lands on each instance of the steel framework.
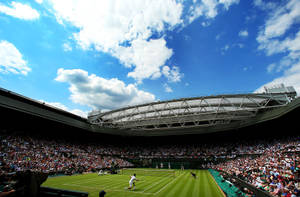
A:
(194, 112)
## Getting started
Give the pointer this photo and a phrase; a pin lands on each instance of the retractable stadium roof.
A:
(196, 115)
(175, 117)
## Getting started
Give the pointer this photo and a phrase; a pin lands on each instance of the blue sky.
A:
(83, 55)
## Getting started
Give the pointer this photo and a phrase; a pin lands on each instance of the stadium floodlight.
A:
(194, 114)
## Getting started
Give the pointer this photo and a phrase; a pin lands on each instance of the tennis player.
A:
(193, 175)
(132, 181)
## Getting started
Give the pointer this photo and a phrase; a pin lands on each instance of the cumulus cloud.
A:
(67, 47)
(19, 10)
(272, 41)
(61, 106)
(132, 30)
(271, 67)
(243, 33)
(11, 60)
(145, 56)
(39, 1)
(289, 44)
(228, 3)
(290, 77)
(279, 22)
(105, 25)
(123, 29)
(264, 5)
(224, 49)
(195, 12)
(167, 88)
(173, 74)
(208, 9)
(100, 93)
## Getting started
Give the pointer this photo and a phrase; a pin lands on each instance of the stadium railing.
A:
(227, 187)
(257, 192)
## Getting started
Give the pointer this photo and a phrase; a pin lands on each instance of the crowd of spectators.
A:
(204, 151)
(19, 153)
(275, 170)
(24, 152)
(270, 165)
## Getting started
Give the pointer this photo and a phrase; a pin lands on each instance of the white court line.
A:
(152, 185)
(110, 184)
(103, 181)
(108, 189)
(126, 183)
(168, 184)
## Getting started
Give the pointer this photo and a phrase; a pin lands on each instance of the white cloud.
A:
(125, 28)
(39, 1)
(210, 7)
(106, 24)
(280, 21)
(207, 8)
(11, 60)
(19, 10)
(291, 77)
(218, 36)
(271, 40)
(195, 12)
(145, 56)
(240, 45)
(231, 46)
(99, 93)
(224, 49)
(168, 89)
(67, 47)
(273, 43)
(173, 75)
(289, 44)
(205, 24)
(65, 108)
(228, 3)
(243, 33)
(264, 5)
(79, 112)
(271, 67)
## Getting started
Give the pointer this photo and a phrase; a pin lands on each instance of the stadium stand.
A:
(261, 157)
(227, 187)
(19, 153)
(270, 165)
(276, 169)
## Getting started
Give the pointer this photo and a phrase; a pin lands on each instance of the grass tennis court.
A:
(182, 185)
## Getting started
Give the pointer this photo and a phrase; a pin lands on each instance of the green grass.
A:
(182, 185)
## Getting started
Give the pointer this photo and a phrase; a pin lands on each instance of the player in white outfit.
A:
(132, 181)
(100, 173)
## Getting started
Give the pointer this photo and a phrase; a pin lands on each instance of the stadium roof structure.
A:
(197, 115)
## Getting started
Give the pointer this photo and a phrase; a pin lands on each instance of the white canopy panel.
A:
(193, 112)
